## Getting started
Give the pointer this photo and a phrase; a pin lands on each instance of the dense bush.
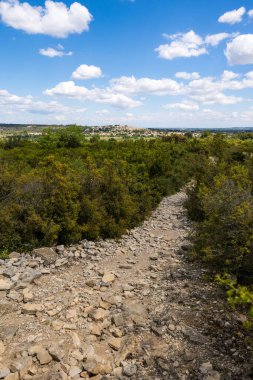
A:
(62, 188)
(224, 236)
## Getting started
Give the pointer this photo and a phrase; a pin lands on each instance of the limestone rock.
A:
(27, 295)
(44, 357)
(96, 366)
(21, 365)
(115, 343)
(12, 376)
(31, 308)
(5, 284)
(108, 277)
(4, 372)
(47, 254)
(74, 371)
(129, 370)
(6, 309)
(98, 314)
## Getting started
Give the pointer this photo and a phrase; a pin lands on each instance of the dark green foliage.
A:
(62, 188)
(220, 201)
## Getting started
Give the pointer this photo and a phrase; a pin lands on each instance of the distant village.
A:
(110, 131)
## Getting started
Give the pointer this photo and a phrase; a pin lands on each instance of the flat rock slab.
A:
(47, 254)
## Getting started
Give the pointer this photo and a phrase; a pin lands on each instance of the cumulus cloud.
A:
(54, 19)
(131, 85)
(29, 104)
(232, 17)
(240, 50)
(215, 39)
(87, 72)
(187, 76)
(189, 44)
(55, 52)
(98, 95)
(250, 13)
(184, 106)
(229, 75)
(183, 45)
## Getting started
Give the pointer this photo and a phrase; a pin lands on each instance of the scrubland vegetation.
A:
(60, 188)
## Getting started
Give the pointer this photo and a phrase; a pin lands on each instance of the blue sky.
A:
(145, 63)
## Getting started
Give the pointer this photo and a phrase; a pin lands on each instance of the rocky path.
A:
(134, 308)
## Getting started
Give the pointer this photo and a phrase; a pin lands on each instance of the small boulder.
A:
(47, 254)
(108, 277)
(98, 314)
(44, 357)
(4, 372)
(5, 284)
(129, 370)
(32, 308)
(12, 376)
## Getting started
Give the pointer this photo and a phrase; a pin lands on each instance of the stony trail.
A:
(134, 308)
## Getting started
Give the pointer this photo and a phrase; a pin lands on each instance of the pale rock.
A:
(28, 278)
(118, 320)
(98, 314)
(14, 255)
(57, 325)
(171, 327)
(27, 295)
(74, 371)
(117, 372)
(108, 277)
(33, 350)
(61, 262)
(96, 329)
(4, 372)
(76, 340)
(31, 308)
(5, 284)
(77, 355)
(47, 254)
(12, 376)
(129, 370)
(14, 295)
(21, 365)
(104, 305)
(206, 367)
(44, 357)
(96, 366)
(115, 343)
(69, 326)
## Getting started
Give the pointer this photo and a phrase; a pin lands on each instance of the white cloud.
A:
(240, 50)
(189, 44)
(183, 45)
(250, 13)
(131, 85)
(187, 76)
(87, 72)
(184, 106)
(232, 17)
(249, 75)
(229, 75)
(102, 112)
(215, 39)
(54, 19)
(98, 95)
(55, 52)
(28, 104)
